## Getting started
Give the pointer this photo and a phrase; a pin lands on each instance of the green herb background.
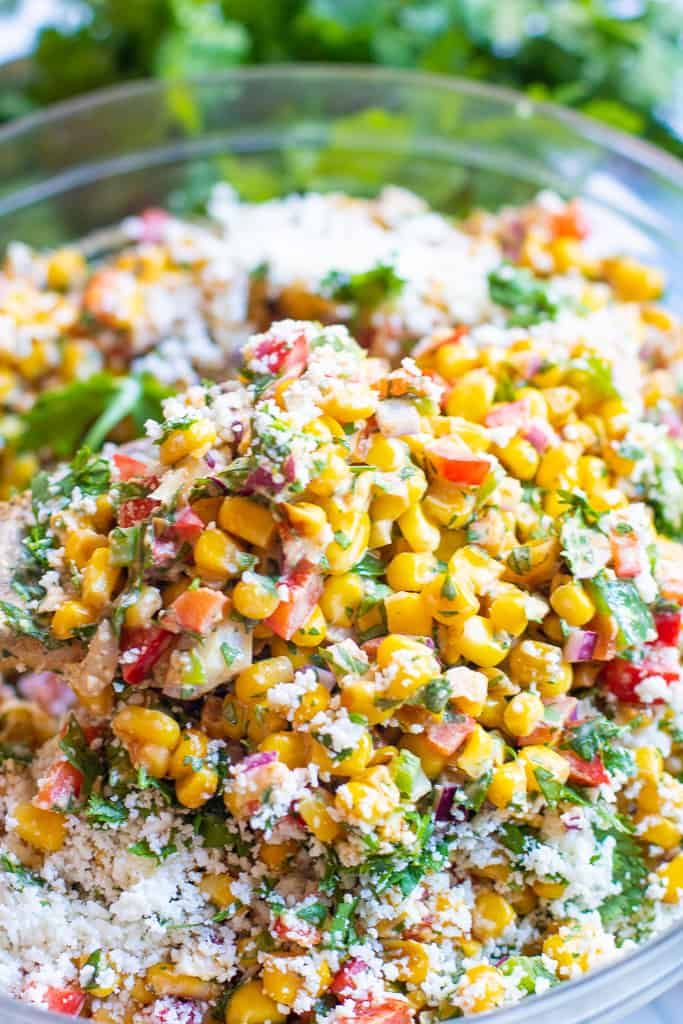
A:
(617, 60)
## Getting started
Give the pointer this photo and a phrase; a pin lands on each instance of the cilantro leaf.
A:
(312, 913)
(143, 849)
(105, 812)
(554, 792)
(22, 876)
(84, 412)
(74, 746)
(620, 599)
(366, 289)
(528, 970)
(517, 290)
(22, 622)
(369, 565)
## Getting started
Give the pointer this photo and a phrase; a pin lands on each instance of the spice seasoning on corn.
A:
(378, 698)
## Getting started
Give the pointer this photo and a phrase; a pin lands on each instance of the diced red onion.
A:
(538, 436)
(580, 645)
(210, 460)
(254, 761)
(444, 804)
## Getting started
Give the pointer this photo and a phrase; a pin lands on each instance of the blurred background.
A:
(620, 61)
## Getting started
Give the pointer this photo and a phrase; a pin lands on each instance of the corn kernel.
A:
(572, 603)
(216, 555)
(523, 713)
(72, 615)
(44, 830)
(248, 520)
(492, 915)
(194, 440)
(508, 785)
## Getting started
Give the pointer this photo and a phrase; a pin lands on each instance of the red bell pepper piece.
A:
(136, 510)
(447, 737)
(668, 626)
(129, 467)
(282, 355)
(187, 525)
(150, 644)
(69, 1001)
(585, 773)
(627, 554)
(199, 610)
(345, 980)
(59, 787)
(621, 677)
(456, 464)
(305, 585)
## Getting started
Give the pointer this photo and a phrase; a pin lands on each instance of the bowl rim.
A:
(633, 147)
(642, 153)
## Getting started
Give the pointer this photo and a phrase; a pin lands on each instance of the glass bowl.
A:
(81, 166)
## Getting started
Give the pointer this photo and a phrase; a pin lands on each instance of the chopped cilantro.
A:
(75, 748)
(367, 289)
(517, 290)
(105, 812)
(553, 791)
(22, 876)
(312, 913)
(620, 599)
(143, 849)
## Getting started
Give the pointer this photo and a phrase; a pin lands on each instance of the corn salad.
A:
(355, 684)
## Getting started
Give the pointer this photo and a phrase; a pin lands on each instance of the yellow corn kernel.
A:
(313, 631)
(100, 578)
(447, 596)
(421, 534)
(254, 599)
(631, 280)
(555, 464)
(70, 616)
(549, 890)
(133, 724)
(371, 797)
(481, 988)
(254, 682)
(292, 748)
(477, 754)
(354, 763)
(574, 948)
(346, 404)
(44, 830)
(279, 983)
(276, 855)
(561, 402)
(508, 785)
(649, 763)
(307, 518)
(473, 637)
(507, 611)
(433, 763)
(407, 613)
(147, 603)
(448, 505)
(548, 760)
(572, 603)
(80, 544)
(165, 980)
(340, 598)
(659, 831)
(472, 397)
(386, 453)
(262, 721)
(249, 1004)
(216, 555)
(533, 663)
(314, 810)
(349, 547)
(454, 359)
(672, 875)
(65, 267)
(191, 748)
(195, 440)
(195, 789)
(520, 458)
(334, 476)
(8, 382)
(411, 959)
(411, 570)
(218, 889)
(523, 713)
(248, 520)
(413, 665)
(359, 696)
(492, 915)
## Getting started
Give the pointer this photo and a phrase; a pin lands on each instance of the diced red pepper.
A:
(59, 788)
(136, 510)
(199, 610)
(345, 980)
(447, 737)
(48, 690)
(627, 554)
(301, 933)
(390, 1011)
(621, 677)
(305, 585)
(585, 773)
(187, 525)
(129, 467)
(69, 1001)
(151, 643)
(282, 355)
(668, 626)
(456, 464)
(570, 222)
